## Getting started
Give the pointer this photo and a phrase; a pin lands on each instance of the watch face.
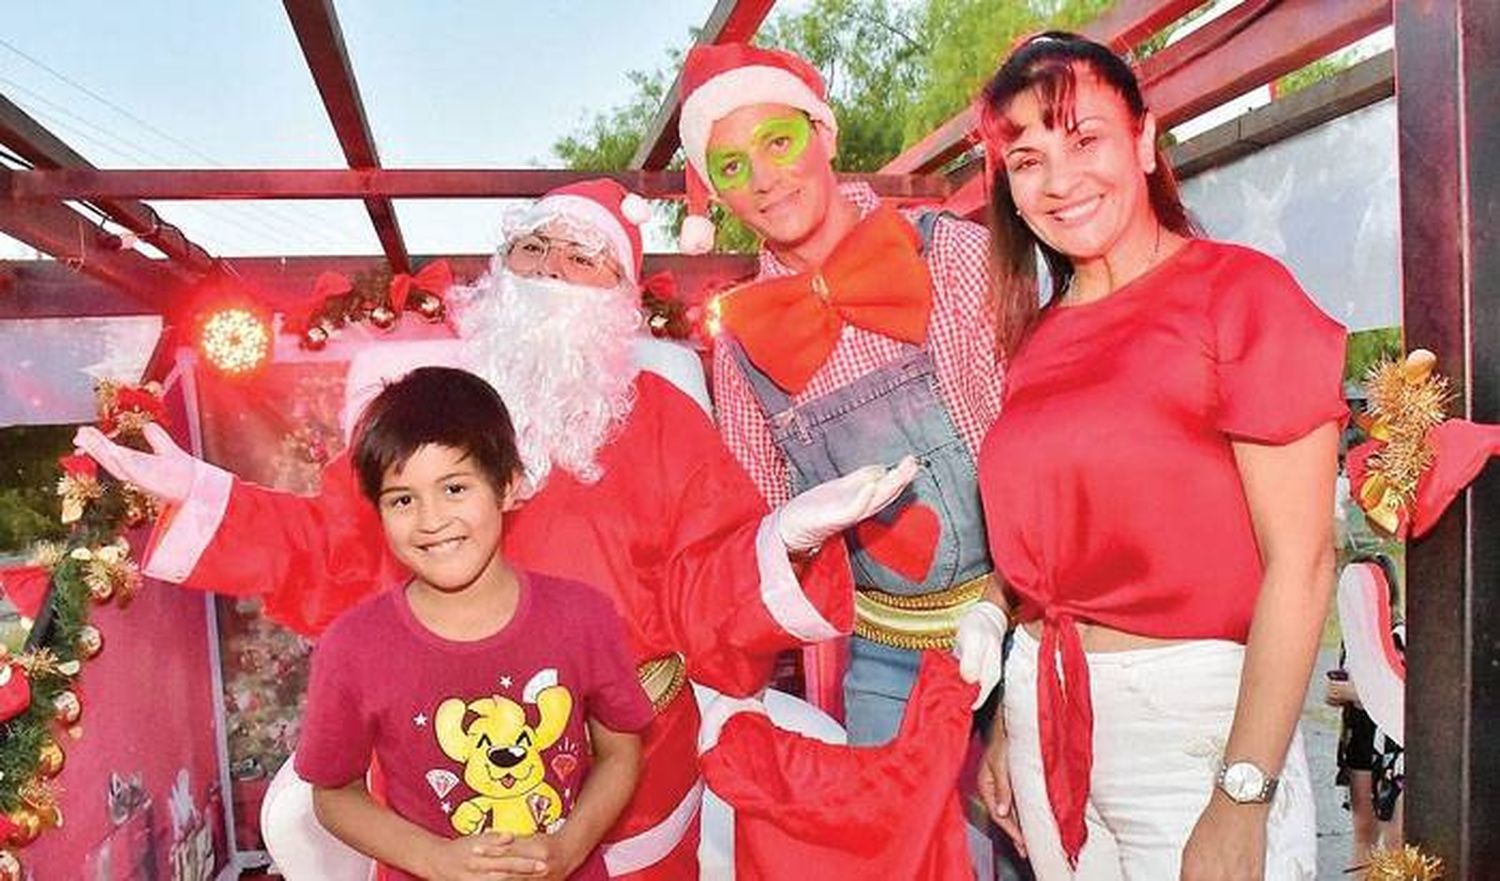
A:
(1243, 781)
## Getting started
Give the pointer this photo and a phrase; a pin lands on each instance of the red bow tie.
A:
(874, 279)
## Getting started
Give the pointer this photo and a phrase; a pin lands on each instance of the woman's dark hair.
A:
(435, 405)
(1046, 65)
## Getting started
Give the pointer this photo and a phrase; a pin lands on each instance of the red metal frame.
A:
(385, 183)
(33, 142)
(1126, 24)
(730, 21)
(317, 28)
(69, 236)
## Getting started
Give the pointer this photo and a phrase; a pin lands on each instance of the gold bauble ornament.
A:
(50, 816)
(383, 317)
(430, 307)
(50, 759)
(90, 641)
(67, 707)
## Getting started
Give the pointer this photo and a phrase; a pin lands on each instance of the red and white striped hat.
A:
(720, 79)
(600, 204)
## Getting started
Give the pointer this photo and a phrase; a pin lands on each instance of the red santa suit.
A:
(673, 531)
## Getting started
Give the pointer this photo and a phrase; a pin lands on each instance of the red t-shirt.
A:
(472, 736)
(1110, 487)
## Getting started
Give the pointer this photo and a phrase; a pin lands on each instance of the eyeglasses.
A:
(528, 255)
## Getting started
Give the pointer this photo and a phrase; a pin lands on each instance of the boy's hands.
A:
(489, 856)
(554, 853)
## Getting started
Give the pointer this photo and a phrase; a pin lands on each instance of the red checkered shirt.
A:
(961, 338)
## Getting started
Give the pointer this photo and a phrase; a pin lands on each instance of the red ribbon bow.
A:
(435, 278)
(875, 279)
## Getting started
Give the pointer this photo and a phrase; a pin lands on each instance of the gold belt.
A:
(928, 621)
(662, 678)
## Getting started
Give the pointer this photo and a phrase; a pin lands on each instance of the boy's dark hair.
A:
(435, 405)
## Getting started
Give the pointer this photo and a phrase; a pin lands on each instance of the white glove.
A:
(979, 645)
(166, 472)
(832, 506)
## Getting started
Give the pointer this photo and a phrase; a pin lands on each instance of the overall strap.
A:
(926, 224)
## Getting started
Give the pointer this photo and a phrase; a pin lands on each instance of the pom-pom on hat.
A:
(720, 79)
(603, 205)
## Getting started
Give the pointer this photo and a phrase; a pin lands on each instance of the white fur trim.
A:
(1367, 648)
(635, 209)
(718, 713)
(697, 236)
(649, 847)
(543, 680)
(187, 529)
(677, 364)
(742, 87)
(780, 591)
(598, 217)
(298, 843)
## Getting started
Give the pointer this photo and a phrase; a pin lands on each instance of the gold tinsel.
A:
(1406, 401)
(47, 554)
(76, 492)
(110, 573)
(1408, 863)
(140, 506)
(39, 663)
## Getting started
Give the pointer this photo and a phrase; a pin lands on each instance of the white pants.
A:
(1161, 719)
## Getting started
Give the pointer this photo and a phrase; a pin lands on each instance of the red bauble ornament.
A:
(15, 691)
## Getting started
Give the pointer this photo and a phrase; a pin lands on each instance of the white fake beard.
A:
(560, 355)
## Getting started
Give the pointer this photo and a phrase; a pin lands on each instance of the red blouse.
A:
(1110, 488)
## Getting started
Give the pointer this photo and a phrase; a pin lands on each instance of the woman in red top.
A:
(1156, 492)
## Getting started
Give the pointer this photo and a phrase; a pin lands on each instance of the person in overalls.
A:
(865, 337)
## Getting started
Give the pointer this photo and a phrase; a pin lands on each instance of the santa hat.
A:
(603, 205)
(720, 79)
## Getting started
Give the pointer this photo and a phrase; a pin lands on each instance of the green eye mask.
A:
(782, 138)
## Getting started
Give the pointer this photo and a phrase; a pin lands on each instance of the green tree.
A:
(1366, 348)
(28, 480)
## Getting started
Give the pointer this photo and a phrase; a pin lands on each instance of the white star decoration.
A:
(447, 808)
(420, 720)
(505, 682)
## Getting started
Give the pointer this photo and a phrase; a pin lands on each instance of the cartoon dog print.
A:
(502, 756)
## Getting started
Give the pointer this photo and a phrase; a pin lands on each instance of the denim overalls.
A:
(882, 416)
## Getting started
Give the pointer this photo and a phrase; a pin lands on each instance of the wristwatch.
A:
(1245, 783)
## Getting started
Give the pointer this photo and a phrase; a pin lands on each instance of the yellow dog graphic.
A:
(502, 756)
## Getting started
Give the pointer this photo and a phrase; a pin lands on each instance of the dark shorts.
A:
(1356, 743)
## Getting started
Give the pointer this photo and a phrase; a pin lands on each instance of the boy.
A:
(473, 685)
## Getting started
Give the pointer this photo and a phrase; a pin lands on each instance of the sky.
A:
(222, 83)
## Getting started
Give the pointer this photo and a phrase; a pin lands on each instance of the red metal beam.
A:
(1448, 139)
(1250, 46)
(1125, 25)
(732, 21)
(72, 238)
(317, 28)
(36, 144)
(384, 183)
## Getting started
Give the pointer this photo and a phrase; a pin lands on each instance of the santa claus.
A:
(627, 487)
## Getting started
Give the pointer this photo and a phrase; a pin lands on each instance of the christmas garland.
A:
(38, 700)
